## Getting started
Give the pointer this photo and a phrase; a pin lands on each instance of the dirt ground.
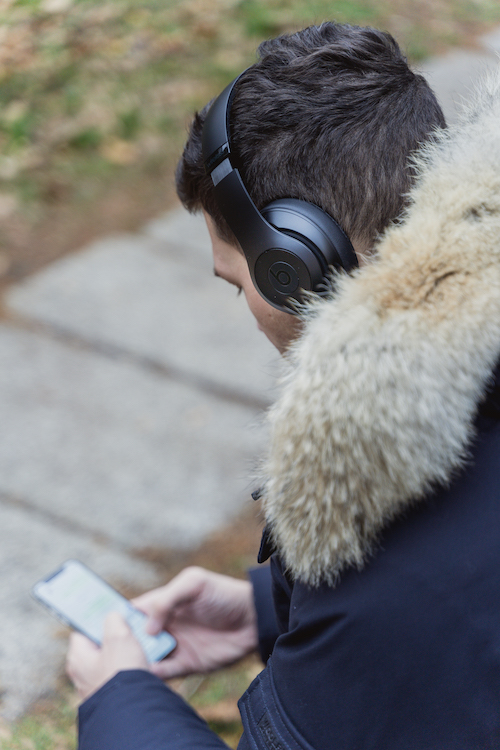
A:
(231, 550)
(125, 205)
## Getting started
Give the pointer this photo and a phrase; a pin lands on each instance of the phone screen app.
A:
(85, 599)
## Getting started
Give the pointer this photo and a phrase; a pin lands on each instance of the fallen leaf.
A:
(9, 167)
(5, 730)
(225, 711)
(56, 6)
(15, 110)
(119, 152)
(8, 205)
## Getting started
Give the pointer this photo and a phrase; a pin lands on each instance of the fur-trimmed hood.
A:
(383, 386)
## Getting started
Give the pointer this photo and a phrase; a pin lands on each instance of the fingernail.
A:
(153, 626)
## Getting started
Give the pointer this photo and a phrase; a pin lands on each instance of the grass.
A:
(50, 726)
(91, 91)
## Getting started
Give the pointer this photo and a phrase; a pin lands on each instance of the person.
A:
(378, 617)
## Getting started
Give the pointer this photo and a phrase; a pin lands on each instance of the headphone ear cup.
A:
(316, 230)
(280, 275)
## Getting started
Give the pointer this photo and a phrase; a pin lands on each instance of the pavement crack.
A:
(13, 500)
(156, 367)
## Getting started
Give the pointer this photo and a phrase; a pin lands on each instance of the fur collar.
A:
(382, 388)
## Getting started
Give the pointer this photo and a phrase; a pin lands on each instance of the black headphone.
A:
(291, 245)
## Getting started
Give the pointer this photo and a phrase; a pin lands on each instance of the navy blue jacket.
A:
(404, 654)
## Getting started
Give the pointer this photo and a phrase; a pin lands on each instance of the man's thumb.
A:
(115, 626)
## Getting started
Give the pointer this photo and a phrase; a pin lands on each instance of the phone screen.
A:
(82, 600)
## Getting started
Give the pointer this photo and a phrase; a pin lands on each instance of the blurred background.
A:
(95, 97)
(95, 100)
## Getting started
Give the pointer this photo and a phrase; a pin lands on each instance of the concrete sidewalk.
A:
(131, 392)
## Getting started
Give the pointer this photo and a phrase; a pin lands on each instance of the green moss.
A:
(51, 727)
(88, 139)
(487, 11)
(258, 18)
(129, 124)
(19, 131)
(32, 4)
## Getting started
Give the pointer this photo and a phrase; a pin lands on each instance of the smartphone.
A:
(80, 599)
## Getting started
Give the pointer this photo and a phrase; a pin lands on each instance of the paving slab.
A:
(132, 386)
(184, 236)
(117, 450)
(144, 295)
(98, 460)
(453, 76)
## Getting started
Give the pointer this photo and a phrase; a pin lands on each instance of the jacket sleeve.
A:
(266, 617)
(136, 710)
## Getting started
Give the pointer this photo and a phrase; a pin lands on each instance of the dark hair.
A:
(330, 115)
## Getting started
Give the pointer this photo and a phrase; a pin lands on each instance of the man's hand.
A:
(90, 666)
(211, 616)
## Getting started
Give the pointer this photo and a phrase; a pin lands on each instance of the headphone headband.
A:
(215, 143)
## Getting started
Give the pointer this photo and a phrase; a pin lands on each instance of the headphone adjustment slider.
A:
(221, 170)
(216, 158)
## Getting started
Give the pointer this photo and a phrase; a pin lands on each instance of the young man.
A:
(382, 626)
